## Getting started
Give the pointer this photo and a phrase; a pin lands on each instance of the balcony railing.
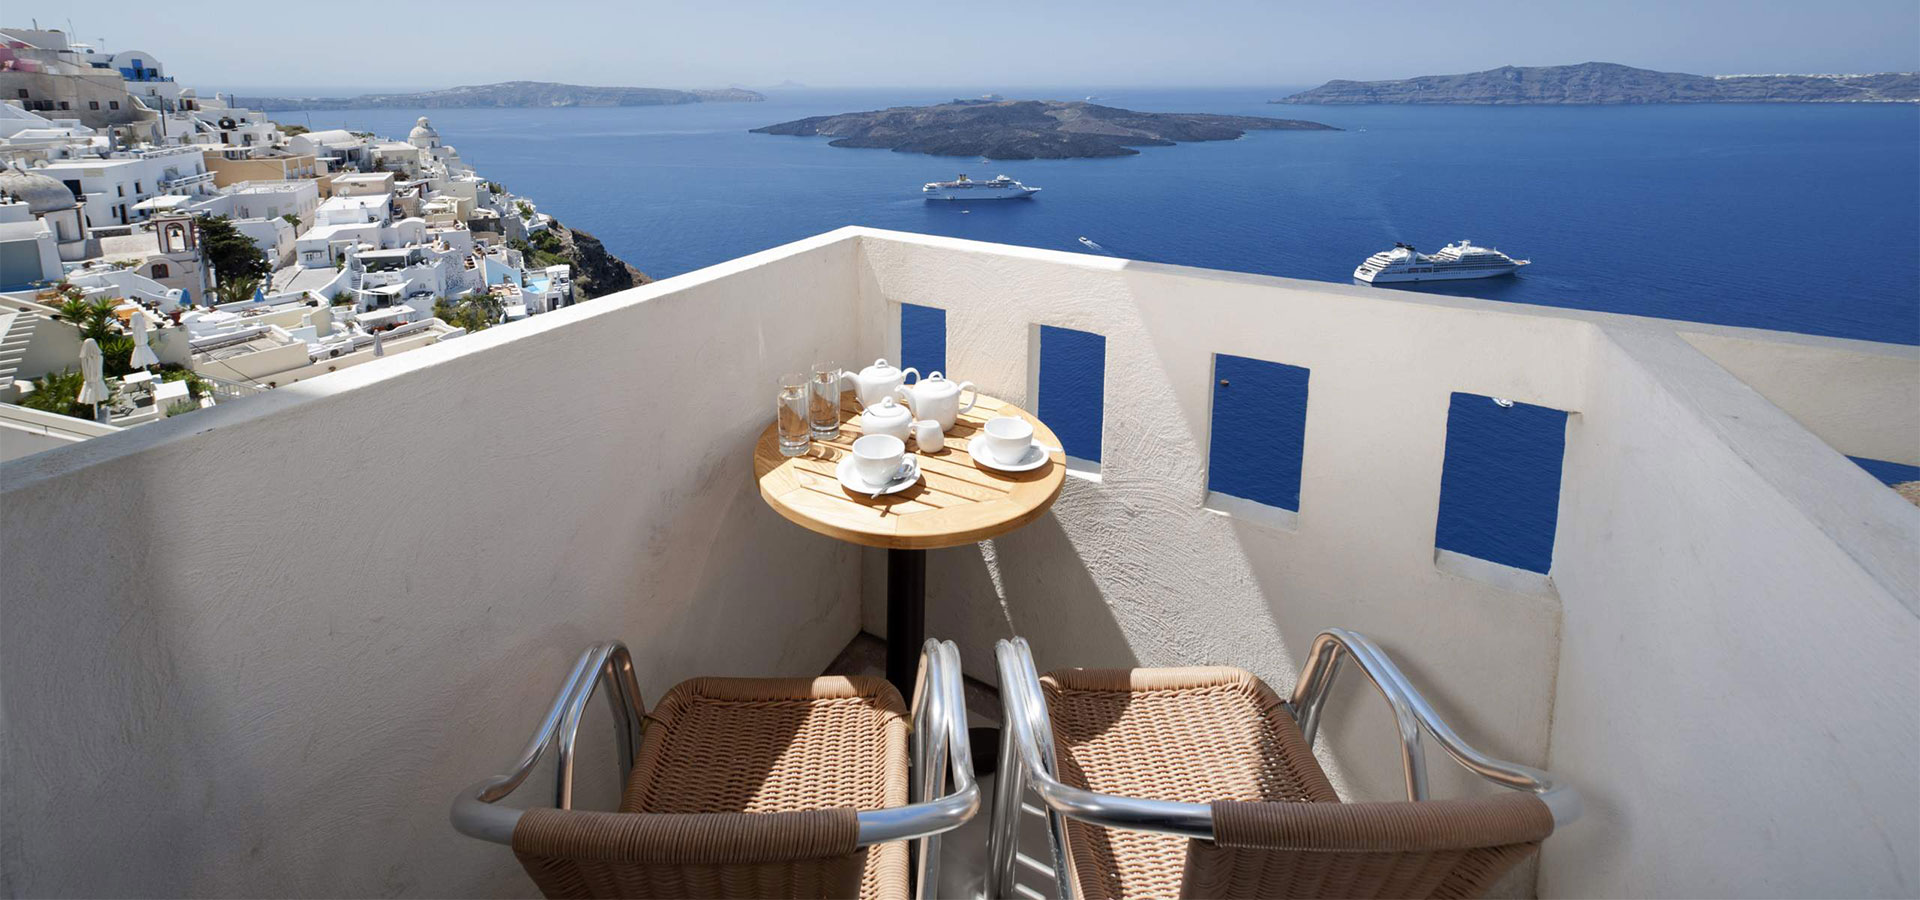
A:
(185, 181)
(1724, 656)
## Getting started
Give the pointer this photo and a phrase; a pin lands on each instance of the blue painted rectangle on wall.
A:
(1889, 473)
(1259, 430)
(1500, 484)
(1073, 379)
(923, 338)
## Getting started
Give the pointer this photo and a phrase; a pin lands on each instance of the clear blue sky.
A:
(989, 44)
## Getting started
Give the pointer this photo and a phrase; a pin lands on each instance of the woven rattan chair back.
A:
(1220, 736)
(741, 788)
(1434, 848)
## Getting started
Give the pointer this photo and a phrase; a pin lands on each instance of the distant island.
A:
(1611, 83)
(508, 94)
(1026, 129)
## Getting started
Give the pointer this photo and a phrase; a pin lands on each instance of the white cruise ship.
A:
(1454, 261)
(964, 188)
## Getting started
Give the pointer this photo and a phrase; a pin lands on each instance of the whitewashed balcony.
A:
(256, 650)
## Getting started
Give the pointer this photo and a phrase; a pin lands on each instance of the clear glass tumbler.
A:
(790, 409)
(823, 408)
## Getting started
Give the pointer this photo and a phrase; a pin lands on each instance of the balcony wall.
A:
(258, 648)
(1726, 656)
(255, 651)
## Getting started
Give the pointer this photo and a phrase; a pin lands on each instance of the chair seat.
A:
(741, 787)
(1194, 735)
(767, 745)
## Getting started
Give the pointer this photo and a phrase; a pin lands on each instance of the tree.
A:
(234, 290)
(95, 319)
(233, 255)
(473, 312)
(57, 393)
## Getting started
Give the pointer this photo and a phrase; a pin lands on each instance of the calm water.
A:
(1800, 218)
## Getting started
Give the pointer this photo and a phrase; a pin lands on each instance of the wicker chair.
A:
(744, 787)
(1201, 782)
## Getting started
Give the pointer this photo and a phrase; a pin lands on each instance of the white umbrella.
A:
(93, 387)
(378, 350)
(142, 354)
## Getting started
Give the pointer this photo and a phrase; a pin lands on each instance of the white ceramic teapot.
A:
(936, 398)
(887, 417)
(878, 381)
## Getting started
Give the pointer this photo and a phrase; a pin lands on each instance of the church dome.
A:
(422, 132)
(41, 194)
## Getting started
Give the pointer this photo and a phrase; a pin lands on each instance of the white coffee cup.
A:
(876, 457)
(928, 436)
(1007, 438)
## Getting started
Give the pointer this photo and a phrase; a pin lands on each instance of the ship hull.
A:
(1437, 275)
(980, 193)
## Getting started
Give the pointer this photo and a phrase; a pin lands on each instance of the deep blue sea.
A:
(1799, 218)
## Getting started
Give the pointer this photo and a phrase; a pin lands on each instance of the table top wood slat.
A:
(956, 501)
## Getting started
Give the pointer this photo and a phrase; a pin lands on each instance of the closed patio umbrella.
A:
(142, 354)
(93, 385)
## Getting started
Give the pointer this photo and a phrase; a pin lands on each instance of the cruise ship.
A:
(964, 188)
(1454, 261)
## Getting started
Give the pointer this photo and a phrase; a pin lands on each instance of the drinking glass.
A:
(790, 409)
(823, 408)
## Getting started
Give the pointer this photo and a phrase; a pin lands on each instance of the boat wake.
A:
(1090, 245)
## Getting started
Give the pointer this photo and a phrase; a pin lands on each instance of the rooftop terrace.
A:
(251, 668)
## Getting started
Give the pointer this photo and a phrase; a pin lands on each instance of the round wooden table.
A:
(956, 502)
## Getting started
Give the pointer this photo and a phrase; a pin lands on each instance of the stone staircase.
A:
(16, 331)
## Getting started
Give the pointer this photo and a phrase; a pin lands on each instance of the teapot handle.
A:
(966, 386)
(910, 371)
(906, 399)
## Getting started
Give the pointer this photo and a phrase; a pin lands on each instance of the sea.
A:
(1800, 218)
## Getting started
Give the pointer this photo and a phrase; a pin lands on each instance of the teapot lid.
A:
(879, 365)
(887, 409)
(936, 385)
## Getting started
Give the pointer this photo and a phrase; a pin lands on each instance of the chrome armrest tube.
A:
(1027, 760)
(940, 748)
(940, 734)
(474, 813)
(1413, 714)
(1027, 757)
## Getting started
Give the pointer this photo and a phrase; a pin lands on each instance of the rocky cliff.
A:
(1026, 129)
(596, 272)
(1610, 83)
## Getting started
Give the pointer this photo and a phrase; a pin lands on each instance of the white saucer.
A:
(1035, 458)
(851, 480)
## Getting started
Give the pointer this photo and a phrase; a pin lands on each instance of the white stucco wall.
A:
(1133, 569)
(1725, 659)
(298, 664)
(1739, 686)
(270, 669)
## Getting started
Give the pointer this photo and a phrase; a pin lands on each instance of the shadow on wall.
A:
(1041, 596)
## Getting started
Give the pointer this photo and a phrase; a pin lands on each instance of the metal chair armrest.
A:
(474, 813)
(1413, 714)
(940, 734)
(940, 746)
